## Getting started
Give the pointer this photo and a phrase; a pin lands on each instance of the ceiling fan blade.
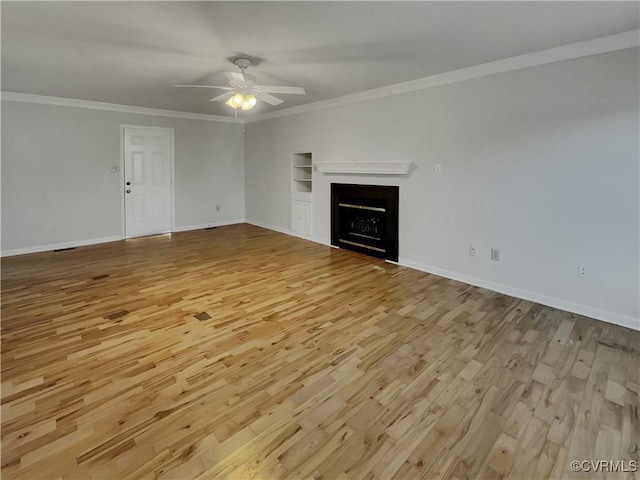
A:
(270, 99)
(278, 89)
(221, 98)
(205, 86)
(235, 76)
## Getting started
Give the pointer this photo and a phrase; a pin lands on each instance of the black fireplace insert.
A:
(364, 218)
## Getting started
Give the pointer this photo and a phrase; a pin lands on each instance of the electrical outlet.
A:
(438, 169)
(48, 226)
(114, 169)
(582, 271)
(217, 208)
(472, 251)
(495, 254)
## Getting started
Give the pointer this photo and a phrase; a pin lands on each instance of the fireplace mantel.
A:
(364, 168)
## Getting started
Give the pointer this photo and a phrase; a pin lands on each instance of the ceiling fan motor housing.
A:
(242, 63)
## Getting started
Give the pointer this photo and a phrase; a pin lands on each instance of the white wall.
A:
(55, 168)
(542, 163)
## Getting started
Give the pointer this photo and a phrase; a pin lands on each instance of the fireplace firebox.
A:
(364, 218)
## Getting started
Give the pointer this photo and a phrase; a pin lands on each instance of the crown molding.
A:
(114, 107)
(610, 43)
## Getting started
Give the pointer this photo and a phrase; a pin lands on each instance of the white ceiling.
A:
(132, 53)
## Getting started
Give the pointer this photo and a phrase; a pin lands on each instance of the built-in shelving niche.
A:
(301, 176)
(302, 193)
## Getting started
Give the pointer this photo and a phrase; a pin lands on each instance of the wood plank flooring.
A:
(238, 352)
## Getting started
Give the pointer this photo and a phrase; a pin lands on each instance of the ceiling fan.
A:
(243, 93)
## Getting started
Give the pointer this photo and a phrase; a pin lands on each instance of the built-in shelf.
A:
(365, 168)
(302, 193)
(302, 176)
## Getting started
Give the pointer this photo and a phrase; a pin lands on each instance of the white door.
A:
(147, 177)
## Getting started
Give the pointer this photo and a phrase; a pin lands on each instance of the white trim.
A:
(596, 46)
(365, 168)
(57, 246)
(114, 238)
(605, 316)
(287, 231)
(123, 227)
(302, 196)
(113, 107)
(124, 126)
(200, 226)
(611, 43)
(173, 180)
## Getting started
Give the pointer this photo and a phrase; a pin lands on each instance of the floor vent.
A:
(113, 316)
(64, 249)
(100, 277)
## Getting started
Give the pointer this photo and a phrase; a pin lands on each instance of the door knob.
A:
(128, 190)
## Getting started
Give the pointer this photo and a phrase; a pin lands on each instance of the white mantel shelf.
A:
(364, 168)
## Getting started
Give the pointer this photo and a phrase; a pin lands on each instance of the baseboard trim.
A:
(95, 241)
(200, 226)
(605, 316)
(286, 231)
(58, 246)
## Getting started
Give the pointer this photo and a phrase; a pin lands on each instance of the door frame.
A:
(172, 172)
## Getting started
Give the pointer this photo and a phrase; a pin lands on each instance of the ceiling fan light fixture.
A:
(238, 100)
(242, 101)
(249, 102)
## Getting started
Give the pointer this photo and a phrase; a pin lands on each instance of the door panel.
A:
(158, 168)
(138, 207)
(147, 175)
(302, 217)
(137, 167)
(159, 208)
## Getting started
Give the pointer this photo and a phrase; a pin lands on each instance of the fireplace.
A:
(364, 218)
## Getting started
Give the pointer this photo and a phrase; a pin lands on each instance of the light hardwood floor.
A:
(238, 352)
